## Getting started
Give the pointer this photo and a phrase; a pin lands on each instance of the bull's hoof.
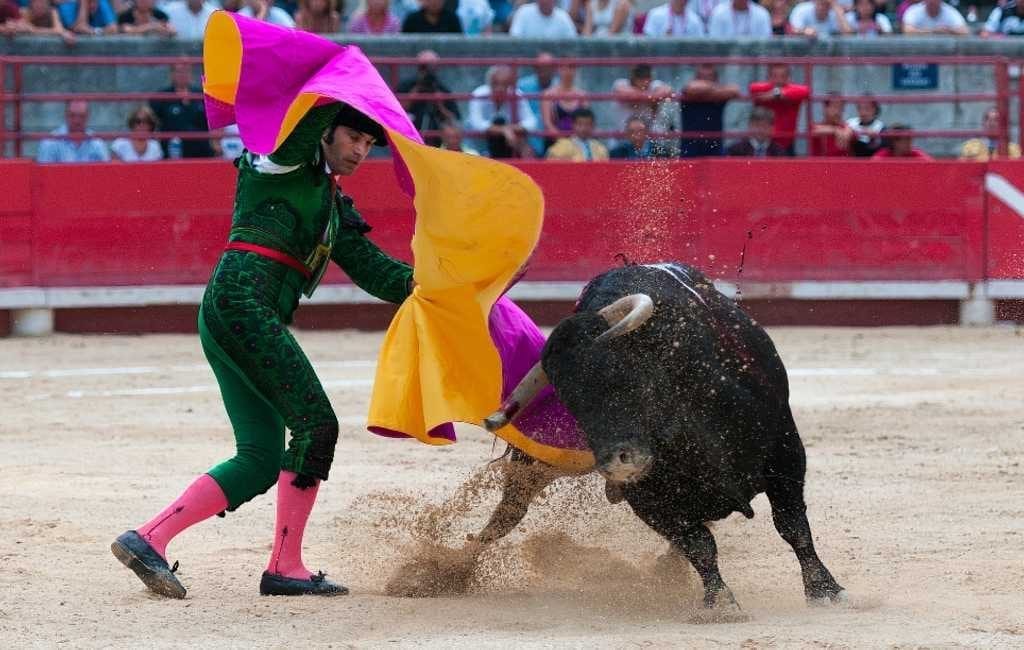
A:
(614, 492)
(719, 607)
(840, 597)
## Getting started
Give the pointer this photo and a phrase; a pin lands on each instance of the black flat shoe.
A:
(136, 554)
(318, 585)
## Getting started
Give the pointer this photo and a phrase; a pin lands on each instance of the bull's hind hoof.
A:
(136, 554)
(720, 607)
(318, 585)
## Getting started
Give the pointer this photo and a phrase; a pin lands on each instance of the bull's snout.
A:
(625, 463)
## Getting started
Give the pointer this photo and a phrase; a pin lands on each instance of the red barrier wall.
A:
(144, 224)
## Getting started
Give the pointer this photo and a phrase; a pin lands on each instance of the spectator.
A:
(674, 18)
(94, 17)
(987, 148)
(779, 10)
(41, 18)
(182, 114)
(476, 17)
(318, 16)
(230, 145)
(933, 17)
(265, 10)
(898, 144)
(432, 18)
(189, 17)
(428, 114)
(1005, 20)
(703, 8)
(491, 111)
(819, 19)
(140, 147)
(740, 18)
(451, 139)
(542, 78)
(865, 128)
(144, 18)
(760, 143)
(784, 98)
(503, 10)
(638, 146)
(375, 18)
(702, 106)
(581, 145)
(541, 19)
(10, 18)
(643, 96)
(561, 101)
(866, 20)
(607, 17)
(73, 142)
(232, 6)
(832, 136)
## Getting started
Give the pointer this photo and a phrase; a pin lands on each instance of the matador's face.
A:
(347, 150)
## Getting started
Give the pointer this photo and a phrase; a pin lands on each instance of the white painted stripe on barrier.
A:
(148, 370)
(150, 391)
(1004, 289)
(63, 298)
(1005, 191)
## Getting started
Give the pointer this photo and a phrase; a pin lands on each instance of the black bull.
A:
(685, 403)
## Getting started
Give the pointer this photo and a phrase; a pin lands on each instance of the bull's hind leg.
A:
(785, 488)
(697, 545)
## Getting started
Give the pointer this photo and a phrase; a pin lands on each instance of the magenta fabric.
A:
(279, 64)
(200, 501)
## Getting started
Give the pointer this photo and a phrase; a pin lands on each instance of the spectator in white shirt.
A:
(933, 17)
(542, 19)
(265, 10)
(819, 19)
(491, 111)
(674, 18)
(139, 147)
(867, 20)
(189, 17)
(740, 18)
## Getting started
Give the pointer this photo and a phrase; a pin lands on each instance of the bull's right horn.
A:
(626, 314)
(524, 393)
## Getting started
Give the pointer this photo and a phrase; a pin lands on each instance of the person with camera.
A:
(428, 114)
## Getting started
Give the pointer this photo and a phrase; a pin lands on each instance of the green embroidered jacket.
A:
(297, 211)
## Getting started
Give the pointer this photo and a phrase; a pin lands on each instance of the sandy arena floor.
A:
(915, 440)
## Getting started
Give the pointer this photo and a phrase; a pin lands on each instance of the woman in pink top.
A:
(374, 19)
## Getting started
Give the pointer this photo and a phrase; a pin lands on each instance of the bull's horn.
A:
(626, 314)
(525, 392)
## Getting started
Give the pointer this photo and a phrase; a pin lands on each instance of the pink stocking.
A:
(293, 508)
(201, 500)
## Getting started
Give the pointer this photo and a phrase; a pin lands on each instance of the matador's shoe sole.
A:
(136, 554)
(318, 585)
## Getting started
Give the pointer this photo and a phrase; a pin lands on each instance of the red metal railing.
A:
(17, 98)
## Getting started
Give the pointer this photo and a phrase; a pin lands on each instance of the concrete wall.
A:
(846, 79)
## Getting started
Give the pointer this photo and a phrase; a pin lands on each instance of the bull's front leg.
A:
(524, 479)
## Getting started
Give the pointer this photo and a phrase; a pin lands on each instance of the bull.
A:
(684, 402)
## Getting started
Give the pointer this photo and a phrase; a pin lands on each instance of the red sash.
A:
(271, 254)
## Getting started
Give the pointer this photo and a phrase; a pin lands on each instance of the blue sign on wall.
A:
(915, 76)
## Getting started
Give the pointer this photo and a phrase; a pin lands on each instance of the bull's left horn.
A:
(626, 314)
(524, 393)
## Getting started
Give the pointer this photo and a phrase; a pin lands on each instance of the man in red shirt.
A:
(832, 135)
(783, 98)
(898, 145)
